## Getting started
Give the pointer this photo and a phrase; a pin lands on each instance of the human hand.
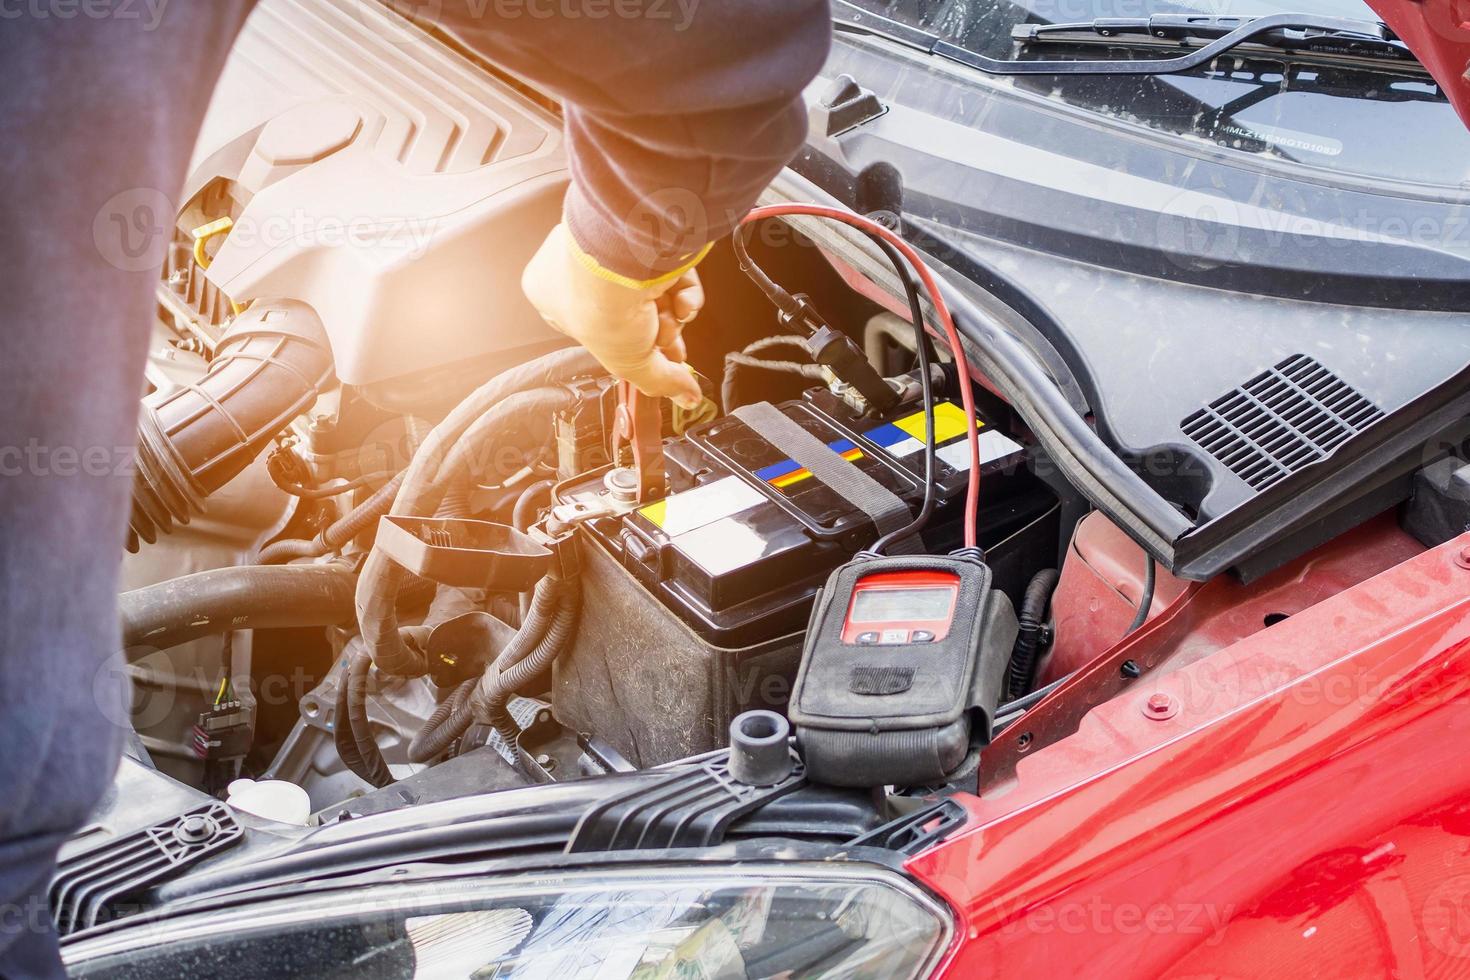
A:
(636, 333)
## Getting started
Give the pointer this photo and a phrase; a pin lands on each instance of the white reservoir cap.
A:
(273, 799)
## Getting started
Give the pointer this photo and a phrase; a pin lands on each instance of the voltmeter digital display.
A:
(901, 607)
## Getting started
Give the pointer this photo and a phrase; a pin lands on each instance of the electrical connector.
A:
(223, 732)
(222, 737)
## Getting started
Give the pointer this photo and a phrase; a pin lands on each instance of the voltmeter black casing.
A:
(903, 698)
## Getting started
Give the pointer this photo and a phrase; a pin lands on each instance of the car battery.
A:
(694, 605)
(746, 535)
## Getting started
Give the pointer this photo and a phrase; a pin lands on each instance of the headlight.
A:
(652, 923)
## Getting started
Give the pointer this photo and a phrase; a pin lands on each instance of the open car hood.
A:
(1438, 32)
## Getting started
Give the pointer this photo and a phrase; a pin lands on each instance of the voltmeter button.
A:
(921, 636)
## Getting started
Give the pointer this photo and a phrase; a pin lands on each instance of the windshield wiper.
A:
(1304, 33)
(1293, 33)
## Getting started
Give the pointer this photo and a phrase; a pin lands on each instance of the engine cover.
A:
(382, 178)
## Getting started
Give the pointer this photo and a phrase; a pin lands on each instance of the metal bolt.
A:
(1462, 557)
(1160, 706)
(194, 829)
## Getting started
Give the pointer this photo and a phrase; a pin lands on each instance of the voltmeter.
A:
(903, 667)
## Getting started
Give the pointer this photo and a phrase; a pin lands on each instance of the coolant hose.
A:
(160, 616)
(266, 370)
(1031, 619)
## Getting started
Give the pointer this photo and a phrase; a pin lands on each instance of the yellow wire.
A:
(202, 236)
(205, 232)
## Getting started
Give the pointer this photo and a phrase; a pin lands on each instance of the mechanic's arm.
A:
(678, 113)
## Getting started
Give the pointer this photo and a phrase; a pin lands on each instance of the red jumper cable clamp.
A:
(639, 426)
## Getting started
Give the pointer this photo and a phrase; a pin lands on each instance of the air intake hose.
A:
(267, 369)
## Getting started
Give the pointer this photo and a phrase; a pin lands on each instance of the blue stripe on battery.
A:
(887, 435)
(789, 468)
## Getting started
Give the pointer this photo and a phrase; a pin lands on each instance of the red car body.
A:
(1295, 804)
(1289, 796)
(1438, 32)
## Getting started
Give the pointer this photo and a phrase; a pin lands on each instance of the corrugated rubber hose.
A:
(381, 578)
(1031, 619)
(507, 676)
(364, 757)
(337, 534)
(266, 370)
(439, 466)
(468, 703)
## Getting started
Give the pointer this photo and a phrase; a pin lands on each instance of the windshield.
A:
(1379, 121)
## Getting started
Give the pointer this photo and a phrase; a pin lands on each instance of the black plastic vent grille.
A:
(1280, 421)
(104, 883)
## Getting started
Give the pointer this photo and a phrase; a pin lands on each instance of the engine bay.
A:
(395, 543)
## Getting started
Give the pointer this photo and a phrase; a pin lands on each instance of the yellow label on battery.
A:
(949, 421)
(695, 508)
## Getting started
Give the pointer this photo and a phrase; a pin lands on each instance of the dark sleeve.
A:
(98, 116)
(678, 112)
